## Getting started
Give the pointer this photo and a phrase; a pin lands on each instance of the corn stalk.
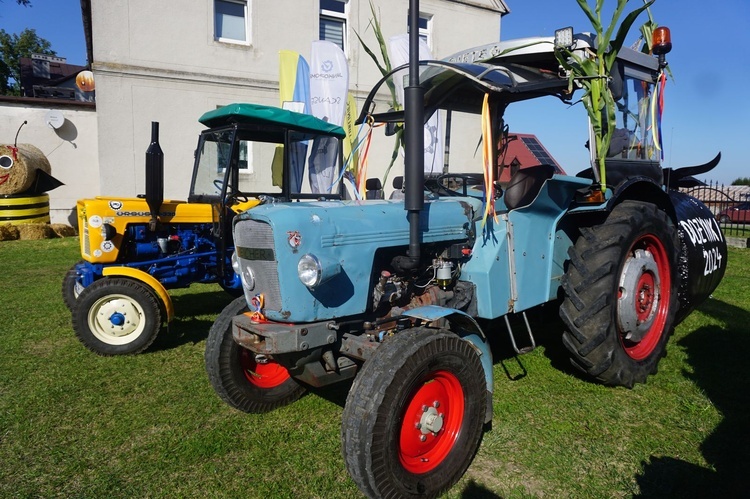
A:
(384, 68)
(592, 72)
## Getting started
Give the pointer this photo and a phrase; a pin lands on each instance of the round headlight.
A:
(309, 270)
(108, 232)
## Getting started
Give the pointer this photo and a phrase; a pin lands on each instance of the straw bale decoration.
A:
(24, 169)
(25, 176)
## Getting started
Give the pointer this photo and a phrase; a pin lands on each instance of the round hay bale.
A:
(8, 232)
(18, 167)
(35, 232)
(62, 230)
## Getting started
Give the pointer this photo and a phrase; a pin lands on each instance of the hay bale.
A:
(35, 232)
(8, 232)
(20, 167)
(63, 230)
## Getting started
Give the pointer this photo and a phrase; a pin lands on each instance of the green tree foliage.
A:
(742, 181)
(12, 48)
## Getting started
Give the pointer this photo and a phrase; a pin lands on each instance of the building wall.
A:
(72, 149)
(158, 61)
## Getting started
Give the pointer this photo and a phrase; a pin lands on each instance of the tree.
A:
(742, 181)
(12, 48)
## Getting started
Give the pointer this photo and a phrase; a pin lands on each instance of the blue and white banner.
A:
(329, 84)
(398, 46)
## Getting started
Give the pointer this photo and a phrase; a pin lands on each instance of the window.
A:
(425, 27)
(333, 15)
(231, 21)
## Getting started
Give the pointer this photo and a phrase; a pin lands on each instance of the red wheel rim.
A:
(648, 300)
(431, 423)
(268, 374)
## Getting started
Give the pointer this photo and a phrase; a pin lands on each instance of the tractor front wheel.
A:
(621, 294)
(241, 379)
(117, 316)
(70, 287)
(414, 415)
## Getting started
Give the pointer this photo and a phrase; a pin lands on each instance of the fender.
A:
(147, 279)
(467, 329)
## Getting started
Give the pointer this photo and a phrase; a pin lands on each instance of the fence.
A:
(729, 204)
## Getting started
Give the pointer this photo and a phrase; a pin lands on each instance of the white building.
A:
(172, 61)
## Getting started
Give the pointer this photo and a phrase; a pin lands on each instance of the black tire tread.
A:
(589, 285)
(224, 372)
(116, 285)
(359, 432)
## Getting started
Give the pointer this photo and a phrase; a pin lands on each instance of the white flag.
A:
(398, 47)
(329, 84)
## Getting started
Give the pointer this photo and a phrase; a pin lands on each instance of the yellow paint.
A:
(147, 279)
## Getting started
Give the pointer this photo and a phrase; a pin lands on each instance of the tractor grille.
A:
(86, 238)
(255, 250)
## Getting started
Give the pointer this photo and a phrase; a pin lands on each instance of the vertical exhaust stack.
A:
(154, 176)
(414, 142)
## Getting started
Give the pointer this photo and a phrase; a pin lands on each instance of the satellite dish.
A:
(54, 119)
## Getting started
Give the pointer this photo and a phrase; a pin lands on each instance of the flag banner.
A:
(398, 47)
(329, 85)
(351, 131)
(294, 93)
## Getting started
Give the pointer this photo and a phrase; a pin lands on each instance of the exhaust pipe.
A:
(414, 141)
(154, 176)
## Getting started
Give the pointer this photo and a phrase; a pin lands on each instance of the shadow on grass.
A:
(547, 328)
(719, 367)
(476, 491)
(189, 325)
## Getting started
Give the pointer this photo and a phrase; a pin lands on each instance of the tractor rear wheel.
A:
(240, 378)
(621, 294)
(414, 415)
(117, 316)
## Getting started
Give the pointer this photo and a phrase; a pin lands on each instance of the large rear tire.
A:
(117, 316)
(414, 415)
(621, 294)
(238, 377)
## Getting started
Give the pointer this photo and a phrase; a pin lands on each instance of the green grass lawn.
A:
(74, 424)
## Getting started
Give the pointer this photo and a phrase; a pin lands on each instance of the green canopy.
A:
(268, 115)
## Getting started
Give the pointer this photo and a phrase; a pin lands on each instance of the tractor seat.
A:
(374, 189)
(525, 184)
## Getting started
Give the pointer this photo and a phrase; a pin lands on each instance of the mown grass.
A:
(74, 424)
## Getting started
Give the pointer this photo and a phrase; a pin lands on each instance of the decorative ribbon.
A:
(256, 306)
(487, 164)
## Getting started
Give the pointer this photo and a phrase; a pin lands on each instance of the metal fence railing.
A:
(730, 205)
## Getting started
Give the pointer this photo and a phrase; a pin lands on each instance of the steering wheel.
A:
(232, 193)
(447, 178)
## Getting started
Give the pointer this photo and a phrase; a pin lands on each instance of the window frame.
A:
(336, 16)
(426, 32)
(246, 14)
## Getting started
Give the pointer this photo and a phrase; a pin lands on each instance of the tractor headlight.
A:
(314, 271)
(108, 232)
(309, 270)
(235, 263)
(246, 275)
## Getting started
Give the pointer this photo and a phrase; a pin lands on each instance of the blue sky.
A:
(706, 107)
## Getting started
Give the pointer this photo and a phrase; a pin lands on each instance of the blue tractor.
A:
(403, 295)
